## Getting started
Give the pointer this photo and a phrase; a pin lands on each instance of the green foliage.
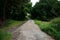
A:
(5, 35)
(46, 10)
(27, 7)
(56, 25)
(16, 11)
(52, 28)
(12, 9)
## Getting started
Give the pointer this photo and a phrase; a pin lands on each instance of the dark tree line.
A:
(12, 9)
(46, 10)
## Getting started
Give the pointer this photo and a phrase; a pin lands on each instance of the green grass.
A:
(5, 35)
(42, 24)
(52, 28)
(11, 24)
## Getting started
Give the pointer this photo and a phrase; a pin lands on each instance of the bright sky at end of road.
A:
(34, 2)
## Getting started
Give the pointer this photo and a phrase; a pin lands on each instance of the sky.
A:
(34, 1)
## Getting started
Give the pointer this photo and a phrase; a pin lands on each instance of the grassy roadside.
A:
(42, 24)
(52, 28)
(11, 24)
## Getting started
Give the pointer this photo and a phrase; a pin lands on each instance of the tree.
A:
(12, 9)
(27, 7)
(46, 10)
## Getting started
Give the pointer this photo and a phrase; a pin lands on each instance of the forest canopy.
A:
(46, 10)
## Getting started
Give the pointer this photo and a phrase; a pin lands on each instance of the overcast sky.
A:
(34, 1)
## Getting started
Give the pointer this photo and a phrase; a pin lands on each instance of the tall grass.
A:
(52, 28)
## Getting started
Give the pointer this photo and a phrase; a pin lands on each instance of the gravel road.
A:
(30, 31)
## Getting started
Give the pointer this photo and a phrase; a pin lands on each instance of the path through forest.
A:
(30, 31)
